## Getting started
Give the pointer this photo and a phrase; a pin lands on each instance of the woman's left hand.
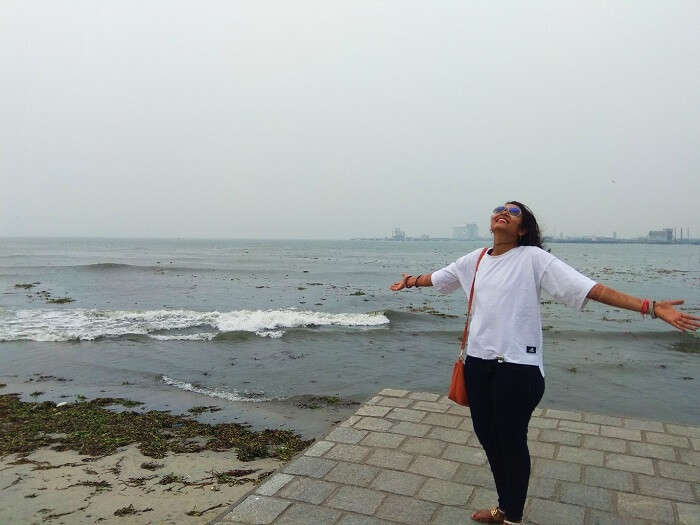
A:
(665, 310)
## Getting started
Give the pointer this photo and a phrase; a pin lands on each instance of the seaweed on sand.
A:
(90, 428)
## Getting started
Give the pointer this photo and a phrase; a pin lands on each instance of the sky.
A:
(314, 120)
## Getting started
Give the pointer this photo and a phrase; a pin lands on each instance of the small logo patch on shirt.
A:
(531, 349)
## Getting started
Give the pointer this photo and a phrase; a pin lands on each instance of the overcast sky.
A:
(302, 119)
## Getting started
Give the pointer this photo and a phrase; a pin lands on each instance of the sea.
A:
(253, 326)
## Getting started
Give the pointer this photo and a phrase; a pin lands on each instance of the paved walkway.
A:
(412, 457)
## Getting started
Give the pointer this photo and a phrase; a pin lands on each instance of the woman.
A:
(503, 369)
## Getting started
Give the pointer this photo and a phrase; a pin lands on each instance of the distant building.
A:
(665, 235)
(468, 232)
(398, 235)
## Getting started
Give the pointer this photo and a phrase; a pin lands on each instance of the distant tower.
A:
(398, 235)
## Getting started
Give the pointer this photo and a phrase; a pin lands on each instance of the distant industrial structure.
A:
(398, 235)
(468, 232)
(665, 235)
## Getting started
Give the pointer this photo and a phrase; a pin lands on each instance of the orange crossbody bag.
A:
(458, 385)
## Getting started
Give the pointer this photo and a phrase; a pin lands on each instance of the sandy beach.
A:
(65, 487)
(107, 459)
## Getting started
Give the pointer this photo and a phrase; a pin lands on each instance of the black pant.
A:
(502, 397)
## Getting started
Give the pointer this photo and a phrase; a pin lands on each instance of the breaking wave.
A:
(166, 325)
(219, 394)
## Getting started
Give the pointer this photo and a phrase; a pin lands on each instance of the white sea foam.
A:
(87, 325)
(204, 336)
(220, 394)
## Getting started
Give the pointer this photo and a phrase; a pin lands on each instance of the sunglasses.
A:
(514, 211)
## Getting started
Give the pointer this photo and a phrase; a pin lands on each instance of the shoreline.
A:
(83, 462)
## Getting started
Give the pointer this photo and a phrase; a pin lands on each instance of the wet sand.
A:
(65, 487)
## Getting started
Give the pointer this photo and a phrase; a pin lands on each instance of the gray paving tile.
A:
(431, 407)
(667, 439)
(650, 450)
(398, 482)
(356, 499)
(350, 421)
(467, 424)
(272, 485)
(639, 424)
(423, 446)
(304, 514)
(400, 402)
(424, 396)
(608, 478)
(629, 463)
(318, 449)
(459, 410)
(580, 455)
(679, 471)
(482, 499)
(637, 506)
(450, 435)
(406, 510)
(690, 457)
(475, 475)
(308, 490)
(542, 487)
(389, 458)
(543, 422)
(359, 519)
(465, 454)
(433, 467)
(343, 452)
(666, 488)
(557, 436)
(683, 430)
(406, 414)
(373, 423)
(580, 427)
(452, 516)
(309, 466)
(545, 512)
(551, 468)
(444, 420)
(688, 514)
(352, 474)
(601, 419)
(563, 414)
(258, 510)
(541, 450)
(445, 492)
(346, 435)
(605, 443)
(410, 429)
(621, 433)
(372, 410)
(383, 439)
(599, 517)
(586, 496)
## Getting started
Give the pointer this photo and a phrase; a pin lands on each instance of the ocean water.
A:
(246, 323)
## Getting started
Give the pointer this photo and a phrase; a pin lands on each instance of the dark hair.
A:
(532, 235)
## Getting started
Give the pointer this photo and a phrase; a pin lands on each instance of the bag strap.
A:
(469, 308)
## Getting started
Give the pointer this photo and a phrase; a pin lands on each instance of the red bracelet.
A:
(645, 307)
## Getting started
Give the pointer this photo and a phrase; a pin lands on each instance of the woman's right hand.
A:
(401, 284)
